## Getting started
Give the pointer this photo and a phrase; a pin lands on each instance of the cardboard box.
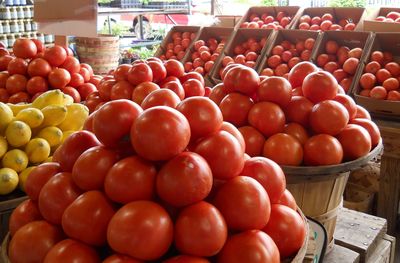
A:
(357, 14)
(168, 38)
(350, 39)
(226, 21)
(379, 108)
(241, 35)
(292, 35)
(58, 10)
(206, 33)
(292, 11)
(376, 26)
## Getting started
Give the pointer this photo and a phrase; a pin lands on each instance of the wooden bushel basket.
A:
(102, 53)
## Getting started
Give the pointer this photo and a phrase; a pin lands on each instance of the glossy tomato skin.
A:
(254, 140)
(320, 86)
(298, 110)
(184, 180)
(93, 211)
(371, 127)
(118, 258)
(329, 117)
(244, 246)
(283, 149)
(24, 48)
(244, 203)
(121, 90)
(72, 148)
(200, 230)
(39, 177)
(348, 103)
(142, 90)
(92, 166)
(70, 250)
(275, 89)
(355, 140)
(158, 69)
(203, 115)
(267, 117)
(268, 173)
(288, 200)
(323, 149)
(242, 79)
(139, 73)
(186, 259)
(113, 121)
(297, 131)
(235, 108)
(174, 68)
(164, 125)
(32, 242)
(26, 212)
(193, 87)
(299, 72)
(105, 89)
(287, 229)
(141, 229)
(219, 149)
(61, 188)
(218, 93)
(130, 179)
(362, 113)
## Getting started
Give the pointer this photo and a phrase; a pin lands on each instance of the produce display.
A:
(149, 83)
(152, 185)
(179, 43)
(204, 56)
(325, 22)
(265, 20)
(30, 133)
(381, 77)
(285, 55)
(390, 17)
(34, 69)
(305, 120)
(341, 61)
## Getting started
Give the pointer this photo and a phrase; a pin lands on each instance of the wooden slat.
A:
(341, 254)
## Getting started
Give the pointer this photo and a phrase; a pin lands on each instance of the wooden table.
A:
(389, 184)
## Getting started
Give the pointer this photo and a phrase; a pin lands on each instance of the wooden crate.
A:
(366, 235)
(7, 205)
(341, 254)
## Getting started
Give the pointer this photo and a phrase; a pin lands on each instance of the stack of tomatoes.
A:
(325, 22)
(154, 185)
(287, 54)
(176, 48)
(305, 120)
(204, 56)
(149, 83)
(341, 61)
(392, 16)
(381, 77)
(33, 70)
(265, 20)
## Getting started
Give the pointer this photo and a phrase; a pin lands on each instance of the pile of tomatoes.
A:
(148, 83)
(325, 22)
(305, 120)
(177, 45)
(268, 21)
(287, 54)
(392, 17)
(381, 77)
(341, 61)
(33, 70)
(154, 185)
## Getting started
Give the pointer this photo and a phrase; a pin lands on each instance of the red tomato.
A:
(32, 242)
(39, 45)
(299, 72)
(267, 117)
(242, 79)
(85, 74)
(193, 87)
(275, 89)
(121, 90)
(24, 48)
(141, 229)
(191, 176)
(72, 65)
(228, 127)
(176, 87)
(17, 66)
(356, 142)
(72, 148)
(268, 174)
(59, 78)
(140, 73)
(203, 115)
(283, 149)
(71, 92)
(244, 203)
(192, 75)
(19, 97)
(60, 187)
(86, 89)
(297, 131)
(16, 83)
(362, 113)
(200, 230)
(25, 213)
(55, 55)
(121, 73)
(287, 229)
(287, 199)
(371, 127)
(158, 69)
(39, 177)
(118, 258)
(88, 68)
(235, 108)
(323, 149)
(218, 93)
(348, 103)
(141, 91)
(4, 61)
(162, 97)
(174, 68)
(254, 140)
(105, 89)
(219, 149)
(70, 250)
(319, 86)
(37, 84)
(130, 179)
(4, 97)
(3, 79)
(3, 52)
(76, 80)
(244, 246)
(113, 121)
(329, 117)
(93, 211)
(186, 259)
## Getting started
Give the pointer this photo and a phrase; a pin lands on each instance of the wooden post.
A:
(213, 3)
(61, 40)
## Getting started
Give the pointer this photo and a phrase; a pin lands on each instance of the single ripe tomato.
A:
(287, 199)
(319, 86)
(24, 48)
(356, 142)
(39, 177)
(283, 149)
(24, 213)
(174, 68)
(348, 103)
(298, 110)
(139, 73)
(70, 250)
(242, 79)
(297, 131)
(158, 69)
(254, 140)
(193, 87)
(121, 73)
(104, 88)
(235, 108)
(160, 97)
(275, 89)
(228, 127)
(176, 87)
(141, 91)
(371, 127)
(71, 64)
(299, 72)
(329, 117)
(267, 117)
(17, 66)
(37, 84)
(121, 90)
(218, 93)
(322, 149)
(362, 113)
(55, 55)
(59, 78)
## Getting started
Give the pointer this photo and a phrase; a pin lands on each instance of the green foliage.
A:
(104, 1)
(347, 3)
(269, 2)
(116, 29)
(144, 52)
